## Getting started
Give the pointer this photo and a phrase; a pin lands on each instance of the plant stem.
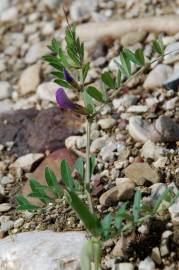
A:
(87, 176)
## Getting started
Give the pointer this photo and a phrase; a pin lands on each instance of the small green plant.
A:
(70, 71)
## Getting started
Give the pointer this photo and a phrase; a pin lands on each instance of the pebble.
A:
(138, 129)
(8, 179)
(161, 162)
(6, 226)
(4, 4)
(18, 223)
(4, 207)
(122, 192)
(139, 172)
(52, 3)
(46, 91)
(132, 38)
(170, 104)
(174, 210)
(70, 142)
(156, 190)
(106, 123)
(81, 8)
(161, 72)
(9, 15)
(98, 143)
(172, 82)
(2, 194)
(125, 100)
(156, 255)
(107, 152)
(147, 264)
(124, 266)
(151, 150)
(35, 52)
(5, 90)
(48, 28)
(172, 57)
(27, 162)
(29, 79)
(137, 109)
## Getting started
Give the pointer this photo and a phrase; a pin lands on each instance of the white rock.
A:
(147, 264)
(46, 91)
(150, 150)
(172, 57)
(98, 143)
(26, 162)
(161, 72)
(5, 226)
(170, 104)
(126, 101)
(4, 207)
(151, 101)
(80, 8)
(9, 15)
(107, 151)
(48, 28)
(161, 162)
(106, 123)
(81, 142)
(18, 223)
(8, 179)
(125, 266)
(137, 129)
(45, 250)
(70, 142)
(29, 80)
(137, 109)
(4, 4)
(5, 90)
(35, 52)
(156, 190)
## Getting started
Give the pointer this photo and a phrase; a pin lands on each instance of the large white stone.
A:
(45, 250)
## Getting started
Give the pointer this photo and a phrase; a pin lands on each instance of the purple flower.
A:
(63, 101)
(67, 76)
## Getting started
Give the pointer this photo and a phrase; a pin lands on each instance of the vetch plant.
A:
(70, 72)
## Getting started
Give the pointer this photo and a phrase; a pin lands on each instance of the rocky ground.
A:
(135, 139)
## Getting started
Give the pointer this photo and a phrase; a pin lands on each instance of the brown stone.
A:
(53, 162)
(141, 172)
(122, 192)
(34, 131)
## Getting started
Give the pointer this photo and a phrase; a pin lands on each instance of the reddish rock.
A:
(34, 131)
(53, 162)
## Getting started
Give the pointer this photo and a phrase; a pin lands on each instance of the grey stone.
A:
(151, 150)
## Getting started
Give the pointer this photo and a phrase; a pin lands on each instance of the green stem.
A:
(87, 176)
